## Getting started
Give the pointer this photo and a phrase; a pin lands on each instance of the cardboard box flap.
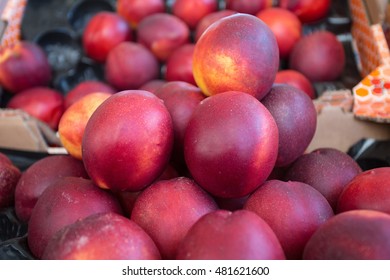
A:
(337, 128)
(20, 131)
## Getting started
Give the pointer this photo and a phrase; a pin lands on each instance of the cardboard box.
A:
(340, 130)
(19, 131)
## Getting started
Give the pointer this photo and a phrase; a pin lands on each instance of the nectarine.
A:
(236, 53)
(128, 140)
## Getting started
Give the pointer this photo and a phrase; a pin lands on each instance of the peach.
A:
(167, 209)
(84, 88)
(130, 65)
(179, 65)
(231, 144)
(23, 66)
(328, 170)
(9, 178)
(293, 210)
(319, 56)
(285, 25)
(181, 99)
(225, 235)
(351, 235)
(103, 236)
(43, 103)
(162, 33)
(295, 79)
(192, 11)
(62, 203)
(133, 11)
(224, 56)
(103, 32)
(248, 6)
(72, 123)
(38, 176)
(128, 141)
(367, 190)
(296, 118)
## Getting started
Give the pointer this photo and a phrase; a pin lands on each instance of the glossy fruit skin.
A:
(103, 32)
(24, 66)
(296, 79)
(73, 121)
(179, 65)
(181, 99)
(367, 190)
(224, 55)
(192, 11)
(44, 103)
(328, 170)
(231, 144)
(209, 19)
(117, 238)
(248, 6)
(319, 56)
(296, 117)
(38, 176)
(134, 11)
(226, 235)
(63, 203)
(128, 140)
(84, 88)
(308, 11)
(162, 33)
(351, 235)
(307, 210)
(130, 65)
(167, 209)
(285, 25)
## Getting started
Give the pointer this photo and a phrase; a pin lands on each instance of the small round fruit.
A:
(231, 144)
(225, 55)
(128, 140)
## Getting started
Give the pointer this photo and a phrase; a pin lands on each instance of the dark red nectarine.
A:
(103, 32)
(127, 141)
(62, 203)
(367, 190)
(38, 176)
(130, 65)
(168, 208)
(231, 144)
(326, 169)
(103, 236)
(225, 235)
(296, 118)
(162, 33)
(319, 56)
(44, 103)
(351, 235)
(23, 66)
(293, 210)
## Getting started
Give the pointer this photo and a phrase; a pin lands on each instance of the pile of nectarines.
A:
(194, 146)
